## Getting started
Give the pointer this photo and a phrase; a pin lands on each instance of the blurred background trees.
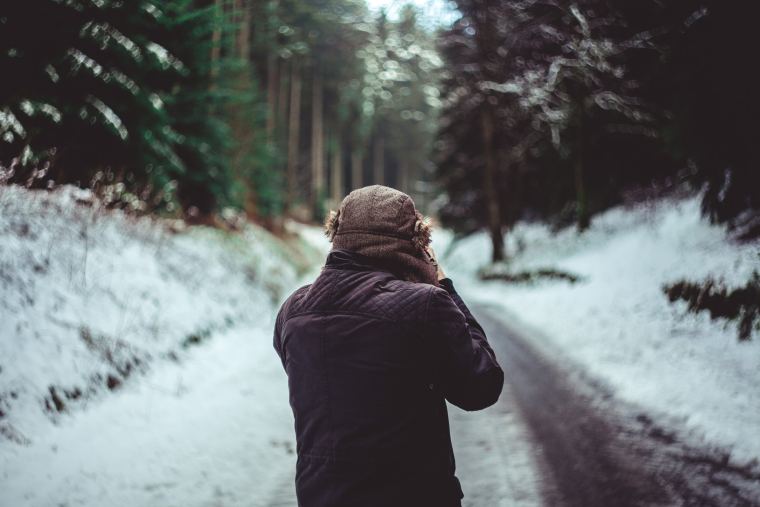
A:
(564, 107)
(517, 109)
(271, 107)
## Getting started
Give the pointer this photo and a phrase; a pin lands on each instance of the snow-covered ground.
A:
(136, 363)
(197, 411)
(158, 347)
(618, 325)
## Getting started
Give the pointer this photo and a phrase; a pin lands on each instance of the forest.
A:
(518, 109)
(267, 107)
(588, 172)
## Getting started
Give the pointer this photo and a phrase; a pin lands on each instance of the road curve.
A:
(598, 451)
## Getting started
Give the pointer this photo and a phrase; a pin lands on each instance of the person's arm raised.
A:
(469, 375)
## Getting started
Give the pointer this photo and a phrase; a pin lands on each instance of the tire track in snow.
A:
(495, 456)
(598, 451)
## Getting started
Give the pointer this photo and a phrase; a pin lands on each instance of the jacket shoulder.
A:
(378, 294)
(441, 304)
(292, 302)
(406, 300)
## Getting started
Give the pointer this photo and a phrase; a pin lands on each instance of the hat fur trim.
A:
(331, 224)
(422, 232)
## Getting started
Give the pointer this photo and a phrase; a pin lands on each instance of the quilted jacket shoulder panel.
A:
(376, 293)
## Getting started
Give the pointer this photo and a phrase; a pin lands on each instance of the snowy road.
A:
(207, 421)
(496, 458)
(558, 438)
(597, 451)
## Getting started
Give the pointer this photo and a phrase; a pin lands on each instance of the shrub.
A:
(742, 304)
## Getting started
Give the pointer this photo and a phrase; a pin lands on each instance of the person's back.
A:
(372, 349)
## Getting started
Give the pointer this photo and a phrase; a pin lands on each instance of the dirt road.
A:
(595, 450)
(557, 437)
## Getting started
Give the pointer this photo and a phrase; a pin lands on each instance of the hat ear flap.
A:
(422, 230)
(331, 224)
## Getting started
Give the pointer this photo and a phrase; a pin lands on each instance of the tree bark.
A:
(581, 197)
(294, 130)
(357, 168)
(403, 174)
(273, 78)
(243, 20)
(241, 128)
(317, 142)
(281, 124)
(216, 43)
(378, 161)
(336, 169)
(272, 85)
(485, 38)
(490, 189)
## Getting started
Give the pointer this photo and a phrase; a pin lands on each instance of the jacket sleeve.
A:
(282, 317)
(277, 341)
(468, 372)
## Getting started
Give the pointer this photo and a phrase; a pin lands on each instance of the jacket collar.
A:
(339, 258)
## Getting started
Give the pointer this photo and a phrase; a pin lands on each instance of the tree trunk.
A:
(294, 130)
(281, 124)
(241, 128)
(243, 20)
(336, 169)
(378, 161)
(273, 78)
(403, 175)
(317, 142)
(357, 168)
(581, 197)
(489, 182)
(216, 42)
(486, 41)
(272, 85)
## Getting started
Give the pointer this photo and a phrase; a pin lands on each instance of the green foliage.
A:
(87, 90)
(196, 104)
(185, 103)
(125, 92)
(260, 188)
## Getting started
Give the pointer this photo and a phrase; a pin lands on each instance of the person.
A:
(372, 349)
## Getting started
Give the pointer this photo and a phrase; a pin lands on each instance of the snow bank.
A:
(136, 364)
(618, 324)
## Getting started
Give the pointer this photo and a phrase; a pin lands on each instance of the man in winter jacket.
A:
(373, 349)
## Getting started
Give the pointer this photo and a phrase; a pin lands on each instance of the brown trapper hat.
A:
(382, 223)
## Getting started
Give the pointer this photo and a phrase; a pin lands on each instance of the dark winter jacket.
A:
(370, 360)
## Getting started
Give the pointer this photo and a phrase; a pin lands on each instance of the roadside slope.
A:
(617, 324)
(136, 363)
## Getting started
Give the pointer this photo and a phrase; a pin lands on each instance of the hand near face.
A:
(440, 274)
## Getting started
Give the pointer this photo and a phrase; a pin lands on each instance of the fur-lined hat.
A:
(382, 223)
